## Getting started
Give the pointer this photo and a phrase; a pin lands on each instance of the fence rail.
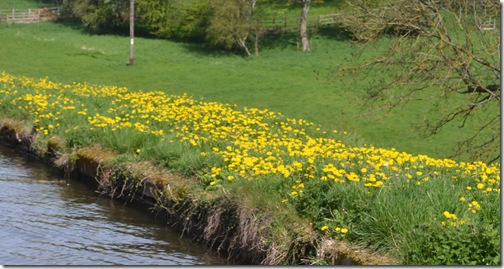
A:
(30, 15)
(292, 23)
(328, 19)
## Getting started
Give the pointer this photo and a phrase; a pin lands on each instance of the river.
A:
(47, 219)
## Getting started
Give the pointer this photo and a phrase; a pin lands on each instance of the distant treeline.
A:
(226, 23)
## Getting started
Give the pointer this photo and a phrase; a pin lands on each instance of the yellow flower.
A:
(212, 183)
(324, 228)
(480, 186)
(462, 199)
(138, 150)
(344, 230)
(447, 214)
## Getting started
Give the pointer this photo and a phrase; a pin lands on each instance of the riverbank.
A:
(214, 220)
(265, 188)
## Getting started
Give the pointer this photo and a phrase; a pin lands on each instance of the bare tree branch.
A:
(439, 51)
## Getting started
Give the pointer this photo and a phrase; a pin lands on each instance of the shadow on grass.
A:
(335, 32)
(77, 25)
(203, 48)
(49, 2)
(270, 40)
(193, 45)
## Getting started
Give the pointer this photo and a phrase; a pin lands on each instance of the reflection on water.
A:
(49, 220)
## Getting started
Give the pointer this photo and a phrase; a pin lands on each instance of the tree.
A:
(175, 18)
(441, 49)
(101, 15)
(230, 23)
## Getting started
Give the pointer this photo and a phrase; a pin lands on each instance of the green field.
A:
(20, 4)
(282, 78)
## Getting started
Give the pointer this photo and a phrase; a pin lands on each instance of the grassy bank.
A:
(281, 79)
(288, 171)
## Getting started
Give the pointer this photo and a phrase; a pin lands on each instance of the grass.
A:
(22, 4)
(282, 78)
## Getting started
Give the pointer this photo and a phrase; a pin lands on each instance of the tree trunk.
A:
(252, 6)
(303, 25)
(241, 43)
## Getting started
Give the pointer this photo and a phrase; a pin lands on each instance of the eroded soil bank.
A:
(218, 219)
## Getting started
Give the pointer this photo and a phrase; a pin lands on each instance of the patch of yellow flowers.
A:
(251, 142)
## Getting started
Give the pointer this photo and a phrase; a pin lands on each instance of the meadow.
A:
(281, 79)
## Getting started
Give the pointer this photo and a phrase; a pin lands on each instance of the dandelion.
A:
(446, 214)
(138, 151)
(324, 228)
(344, 230)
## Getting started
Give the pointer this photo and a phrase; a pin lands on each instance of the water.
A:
(46, 219)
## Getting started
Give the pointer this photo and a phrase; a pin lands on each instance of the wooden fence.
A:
(292, 23)
(30, 15)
